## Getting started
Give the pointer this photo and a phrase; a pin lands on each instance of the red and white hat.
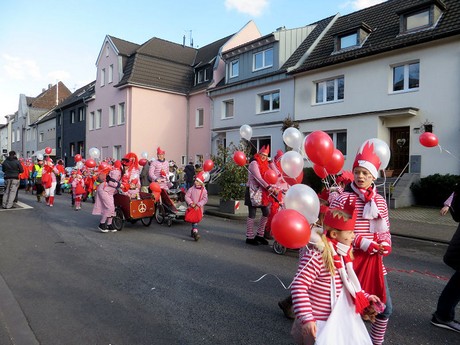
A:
(342, 219)
(265, 150)
(368, 159)
(160, 151)
(200, 177)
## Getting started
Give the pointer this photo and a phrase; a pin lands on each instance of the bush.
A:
(433, 190)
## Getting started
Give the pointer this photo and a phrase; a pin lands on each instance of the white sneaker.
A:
(451, 325)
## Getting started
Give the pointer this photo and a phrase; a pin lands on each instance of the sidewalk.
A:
(423, 223)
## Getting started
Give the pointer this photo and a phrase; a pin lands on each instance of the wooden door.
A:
(399, 148)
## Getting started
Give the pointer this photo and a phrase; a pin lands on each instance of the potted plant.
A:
(231, 179)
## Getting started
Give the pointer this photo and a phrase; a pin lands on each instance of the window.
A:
(199, 118)
(263, 59)
(330, 90)
(81, 115)
(340, 140)
(41, 137)
(72, 116)
(421, 18)
(234, 68)
(183, 160)
(110, 74)
(121, 113)
(12, 136)
(406, 77)
(228, 109)
(59, 142)
(117, 152)
(81, 147)
(103, 77)
(18, 135)
(257, 143)
(112, 116)
(92, 121)
(202, 76)
(72, 150)
(347, 41)
(98, 122)
(269, 101)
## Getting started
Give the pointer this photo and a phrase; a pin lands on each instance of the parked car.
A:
(2, 183)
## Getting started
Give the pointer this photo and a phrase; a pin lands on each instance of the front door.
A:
(399, 148)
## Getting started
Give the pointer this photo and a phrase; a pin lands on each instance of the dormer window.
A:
(201, 76)
(347, 41)
(352, 38)
(423, 16)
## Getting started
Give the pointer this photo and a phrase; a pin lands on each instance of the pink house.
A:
(155, 94)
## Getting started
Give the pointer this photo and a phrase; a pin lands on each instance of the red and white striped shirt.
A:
(311, 289)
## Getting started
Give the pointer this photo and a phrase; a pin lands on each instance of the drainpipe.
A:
(187, 131)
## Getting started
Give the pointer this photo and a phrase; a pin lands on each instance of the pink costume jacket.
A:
(158, 172)
(193, 196)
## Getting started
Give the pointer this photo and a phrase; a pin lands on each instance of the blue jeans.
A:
(389, 304)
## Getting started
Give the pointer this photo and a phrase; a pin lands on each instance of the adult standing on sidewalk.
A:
(444, 316)
(37, 173)
(12, 168)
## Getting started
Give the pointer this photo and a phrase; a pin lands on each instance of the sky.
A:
(43, 42)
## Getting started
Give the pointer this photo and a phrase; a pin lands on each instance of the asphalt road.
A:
(64, 282)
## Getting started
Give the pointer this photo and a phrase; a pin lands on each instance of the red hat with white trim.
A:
(200, 177)
(265, 150)
(160, 151)
(342, 219)
(368, 159)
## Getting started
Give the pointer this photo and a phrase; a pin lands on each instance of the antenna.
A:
(189, 38)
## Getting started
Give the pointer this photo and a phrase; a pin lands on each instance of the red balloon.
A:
(208, 165)
(290, 229)
(90, 163)
(142, 161)
(292, 181)
(320, 171)
(77, 157)
(319, 147)
(270, 176)
(155, 187)
(335, 164)
(103, 166)
(239, 158)
(428, 139)
(48, 150)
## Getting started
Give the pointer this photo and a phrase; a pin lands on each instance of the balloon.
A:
(246, 132)
(94, 152)
(381, 149)
(79, 165)
(142, 161)
(292, 181)
(293, 138)
(319, 147)
(428, 139)
(270, 176)
(103, 166)
(39, 156)
(145, 155)
(208, 165)
(335, 164)
(90, 163)
(303, 199)
(77, 157)
(292, 163)
(48, 150)
(155, 187)
(320, 171)
(239, 158)
(206, 176)
(290, 229)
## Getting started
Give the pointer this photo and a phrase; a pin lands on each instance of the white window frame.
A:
(112, 116)
(116, 152)
(92, 121)
(110, 76)
(41, 137)
(183, 160)
(199, 118)
(234, 69)
(18, 134)
(406, 87)
(334, 136)
(121, 113)
(72, 116)
(271, 97)
(102, 76)
(13, 136)
(202, 76)
(81, 115)
(265, 63)
(98, 123)
(226, 107)
(322, 86)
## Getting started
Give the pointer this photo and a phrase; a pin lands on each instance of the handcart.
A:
(132, 210)
(171, 205)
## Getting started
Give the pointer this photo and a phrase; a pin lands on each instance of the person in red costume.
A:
(159, 169)
(372, 230)
(257, 196)
(131, 176)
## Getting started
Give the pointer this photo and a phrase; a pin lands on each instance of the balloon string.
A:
(447, 151)
(281, 282)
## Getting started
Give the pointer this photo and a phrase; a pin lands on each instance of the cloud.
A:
(360, 4)
(20, 69)
(252, 7)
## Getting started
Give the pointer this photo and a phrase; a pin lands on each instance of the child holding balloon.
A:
(196, 197)
(327, 296)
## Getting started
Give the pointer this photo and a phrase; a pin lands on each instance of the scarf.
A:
(344, 265)
(371, 211)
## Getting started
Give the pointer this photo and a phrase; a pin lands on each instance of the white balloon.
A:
(292, 163)
(381, 149)
(246, 132)
(293, 138)
(303, 199)
(94, 152)
(145, 155)
(79, 165)
(206, 176)
(40, 157)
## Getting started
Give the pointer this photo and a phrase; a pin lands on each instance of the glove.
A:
(386, 248)
(367, 245)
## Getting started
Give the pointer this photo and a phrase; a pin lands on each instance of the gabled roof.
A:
(80, 94)
(124, 47)
(384, 21)
(208, 53)
(47, 99)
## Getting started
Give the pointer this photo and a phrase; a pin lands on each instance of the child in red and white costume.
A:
(373, 239)
(49, 168)
(327, 296)
(78, 189)
(159, 170)
(197, 196)
(341, 182)
(131, 176)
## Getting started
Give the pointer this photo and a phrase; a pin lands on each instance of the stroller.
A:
(171, 205)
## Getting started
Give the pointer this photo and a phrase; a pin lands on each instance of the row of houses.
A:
(390, 71)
